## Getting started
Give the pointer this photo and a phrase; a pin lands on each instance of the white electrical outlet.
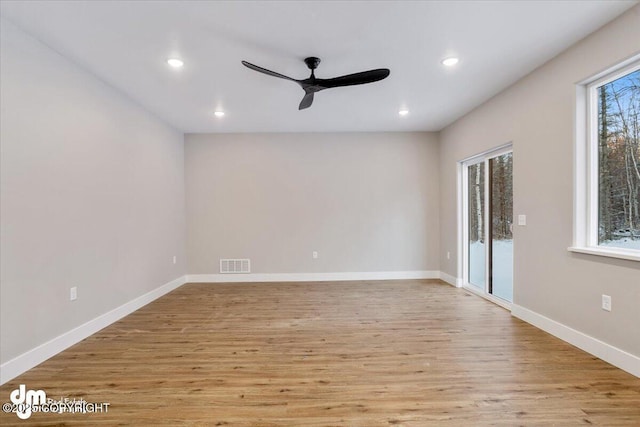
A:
(314, 254)
(175, 259)
(73, 293)
(522, 220)
(606, 302)
(448, 255)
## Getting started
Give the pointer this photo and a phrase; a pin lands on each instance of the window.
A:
(607, 199)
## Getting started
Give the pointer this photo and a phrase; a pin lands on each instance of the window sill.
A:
(608, 252)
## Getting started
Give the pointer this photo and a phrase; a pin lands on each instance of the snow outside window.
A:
(607, 199)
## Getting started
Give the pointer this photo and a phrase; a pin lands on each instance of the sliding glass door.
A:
(501, 226)
(488, 222)
(476, 247)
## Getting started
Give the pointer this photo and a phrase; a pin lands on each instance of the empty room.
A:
(320, 213)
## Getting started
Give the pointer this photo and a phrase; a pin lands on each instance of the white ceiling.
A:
(126, 44)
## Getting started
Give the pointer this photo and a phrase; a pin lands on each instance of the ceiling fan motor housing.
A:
(312, 62)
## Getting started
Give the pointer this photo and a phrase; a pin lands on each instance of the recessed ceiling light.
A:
(219, 114)
(175, 62)
(403, 112)
(450, 62)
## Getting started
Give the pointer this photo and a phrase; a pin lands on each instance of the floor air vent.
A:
(235, 266)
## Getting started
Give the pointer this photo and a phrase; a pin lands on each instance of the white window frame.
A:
(585, 197)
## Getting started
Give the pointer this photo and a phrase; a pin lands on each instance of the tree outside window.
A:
(618, 104)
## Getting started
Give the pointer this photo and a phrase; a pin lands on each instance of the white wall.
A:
(92, 195)
(537, 114)
(366, 202)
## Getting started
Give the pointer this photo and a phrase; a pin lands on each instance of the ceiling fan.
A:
(313, 85)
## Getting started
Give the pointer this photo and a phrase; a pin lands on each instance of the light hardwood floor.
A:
(393, 353)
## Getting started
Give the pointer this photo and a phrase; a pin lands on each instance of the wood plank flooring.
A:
(393, 353)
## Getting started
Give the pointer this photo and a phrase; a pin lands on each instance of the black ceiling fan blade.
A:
(354, 79)
(306, 101)
(267, 72)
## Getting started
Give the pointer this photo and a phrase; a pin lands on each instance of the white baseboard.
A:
(312, 277)
(613, 355)
(20, 364)
(453, 281)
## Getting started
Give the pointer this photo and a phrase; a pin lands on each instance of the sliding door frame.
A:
(463, 221)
